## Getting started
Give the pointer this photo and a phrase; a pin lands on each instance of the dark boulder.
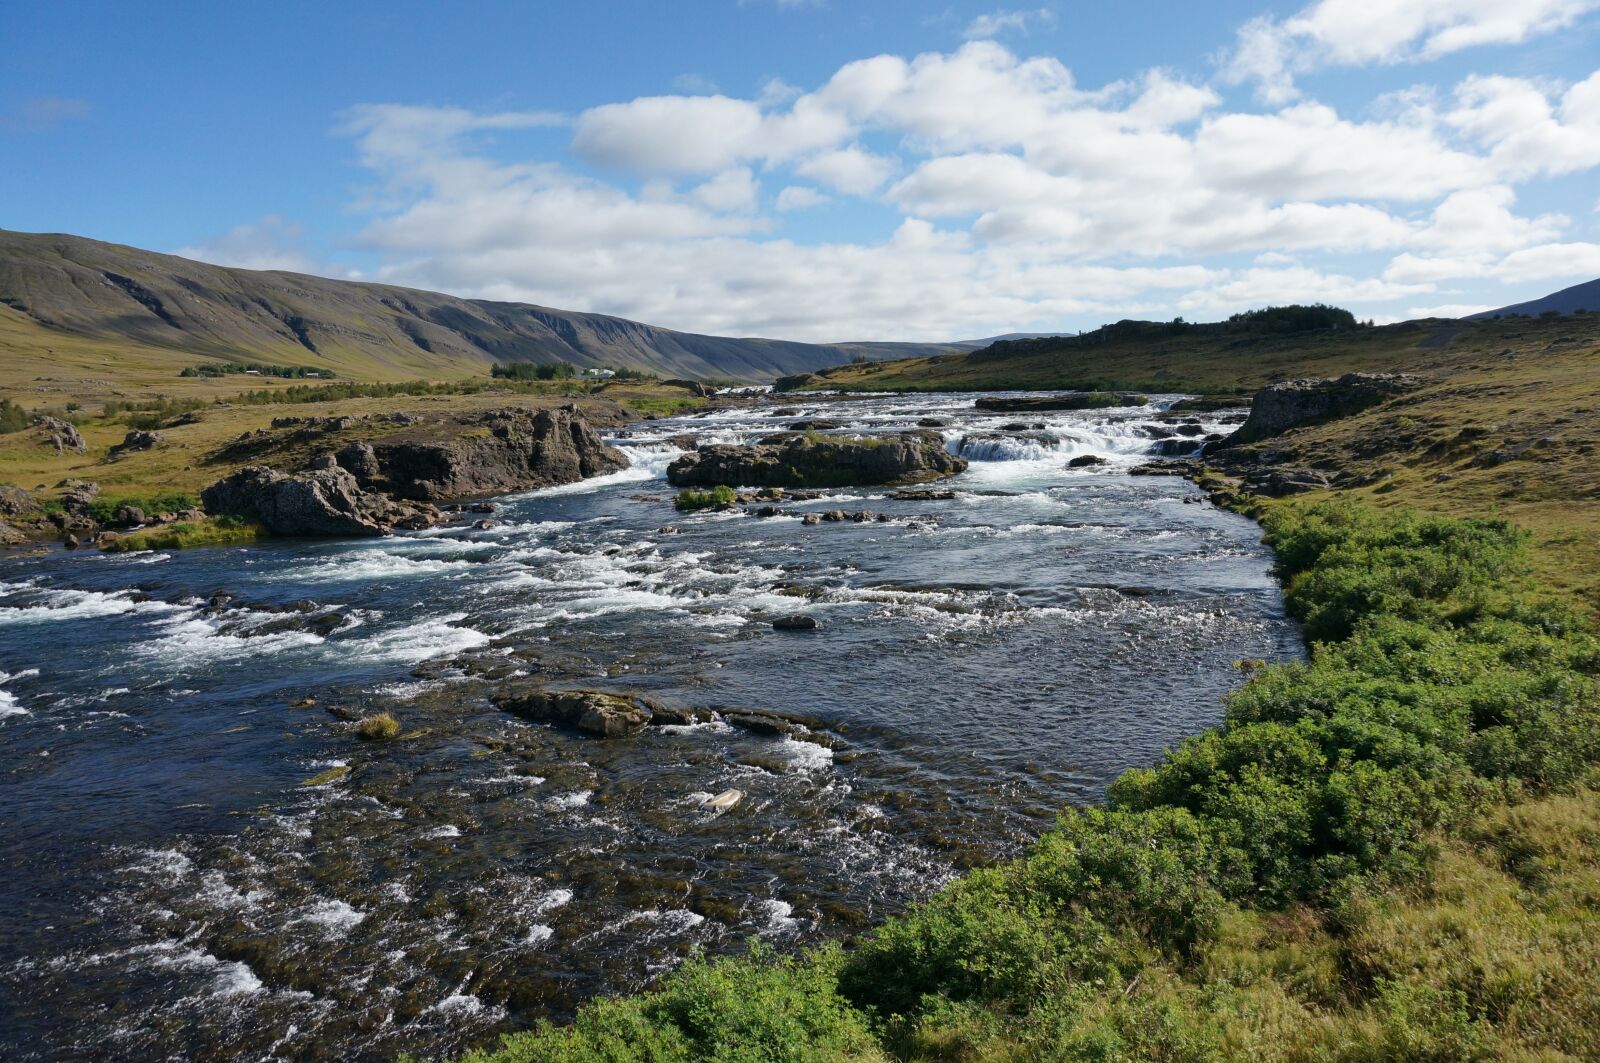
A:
(795, 460)
(1077, 400)
(323, 502)
(796, 622)
(494, 453)
(1083, 461)
(136, 440)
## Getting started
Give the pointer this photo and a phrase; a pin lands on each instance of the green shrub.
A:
(755, 1008)
(13, 418)
(691, 501)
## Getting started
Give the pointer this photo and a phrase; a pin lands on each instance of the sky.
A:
(824, 170)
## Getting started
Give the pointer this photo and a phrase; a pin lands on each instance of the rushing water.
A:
(183, 877)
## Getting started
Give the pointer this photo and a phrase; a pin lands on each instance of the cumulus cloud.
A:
(799, 197)
(1270, 52)
(1013, 197)
(851, 170)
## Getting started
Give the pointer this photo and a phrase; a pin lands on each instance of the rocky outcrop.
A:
(62, 435)
(796, 460)
(322, 502)
(1280, 407)
(14, 501)
(1078, 400)
(136, 440)
(77, 494)
(494, 453)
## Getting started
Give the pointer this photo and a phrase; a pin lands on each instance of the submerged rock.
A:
(1283, 406)
(322, 502)
(795, 460)
(795, 622)
(593, 712)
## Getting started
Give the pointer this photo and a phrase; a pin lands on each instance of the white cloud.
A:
(851, 170)
(271, 243)
(730, 191)
(1527, 135)
(1017, 199)
(799, 197)
(1362, 32)
(999, 22)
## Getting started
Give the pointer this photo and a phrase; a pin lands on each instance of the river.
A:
(198, 865)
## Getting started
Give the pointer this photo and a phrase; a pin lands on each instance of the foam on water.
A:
(336, 918)
(42, 605)
(9, 706)
(438, 637)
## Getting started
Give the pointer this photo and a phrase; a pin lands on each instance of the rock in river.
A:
(322, 502)
(796, 460)
(494, 453)
(593, 712)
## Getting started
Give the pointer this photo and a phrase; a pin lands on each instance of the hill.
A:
(67, 301)
(1577, 299)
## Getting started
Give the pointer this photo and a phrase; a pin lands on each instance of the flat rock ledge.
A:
(793, 459)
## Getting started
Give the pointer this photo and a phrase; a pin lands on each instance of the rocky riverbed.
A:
(207, 860)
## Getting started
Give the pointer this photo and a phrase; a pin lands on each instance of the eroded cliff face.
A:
(496, 452)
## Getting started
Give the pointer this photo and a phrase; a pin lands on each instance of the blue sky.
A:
(823, 170)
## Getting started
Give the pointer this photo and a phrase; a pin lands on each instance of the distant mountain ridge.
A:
(356, 329)
(1585, 296)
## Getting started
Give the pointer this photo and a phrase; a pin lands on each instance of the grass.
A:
(1387, 852)
(378, 727)
(183, 535)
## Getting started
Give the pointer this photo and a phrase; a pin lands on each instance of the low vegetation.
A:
(1388, 851)
(691, 501)
(282, 372)
(183, 534)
